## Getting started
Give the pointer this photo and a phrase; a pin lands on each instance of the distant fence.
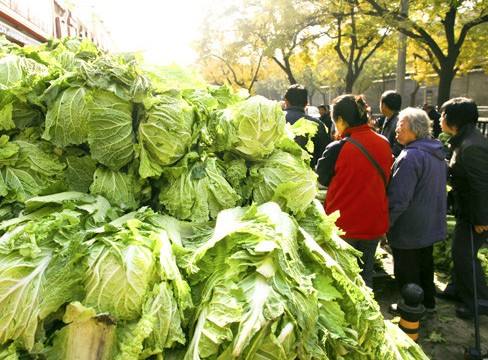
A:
(483, 120)
(483, 126)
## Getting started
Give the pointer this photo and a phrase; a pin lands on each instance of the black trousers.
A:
(462, 271)
(416, 266)
(366, 263)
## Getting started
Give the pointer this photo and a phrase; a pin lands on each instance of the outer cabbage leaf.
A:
(305, 130)
(9, 352)
(158, 328)
(10, 71)
(118, 74)
(169, 270)
(252, 281)
(67, 119)
(21, 75)
(198, 190)
(79, 172)
(6, 122)
(355, 327)
(8, 151)
(165, 135)
(174, 77)
(43, 162)
(110, 129)
(33, 288)
(84, 335)
(167, 330)
(226, 96)
(324, 231)
(35, 172)
(119, 188)
(236, 173)
(285, 179)
(401, 346)
(25, 115)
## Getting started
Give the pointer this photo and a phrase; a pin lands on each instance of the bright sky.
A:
(162, 30)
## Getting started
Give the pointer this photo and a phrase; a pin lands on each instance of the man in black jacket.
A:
(435, 117)
(468, 171)
(296, 98)
(390, 105)
(326, 119)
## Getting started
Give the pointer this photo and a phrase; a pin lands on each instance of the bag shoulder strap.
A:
(370, 158)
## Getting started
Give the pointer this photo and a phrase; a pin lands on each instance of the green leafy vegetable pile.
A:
(145, 214)
(442, 252)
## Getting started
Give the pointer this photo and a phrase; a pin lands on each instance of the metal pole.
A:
(475, 295)
(402, 56)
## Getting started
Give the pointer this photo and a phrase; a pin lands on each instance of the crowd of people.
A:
(388, 179)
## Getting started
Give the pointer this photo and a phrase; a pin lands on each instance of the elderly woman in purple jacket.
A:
(417, 203)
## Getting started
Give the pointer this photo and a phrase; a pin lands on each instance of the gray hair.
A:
(418, 121)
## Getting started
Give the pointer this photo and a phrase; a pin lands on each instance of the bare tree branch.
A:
(468, 26)
(402, 24)
(255, 76)
(352, 36)
(372, 51)
(231, 69)
(449, 22)
(337, 47)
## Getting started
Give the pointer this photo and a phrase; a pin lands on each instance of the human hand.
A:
(480, 228)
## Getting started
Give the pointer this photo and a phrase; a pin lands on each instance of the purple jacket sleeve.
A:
(402, 185)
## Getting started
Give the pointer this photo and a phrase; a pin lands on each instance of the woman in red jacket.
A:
(356, 170)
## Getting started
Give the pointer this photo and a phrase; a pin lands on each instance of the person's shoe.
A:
(429, 313)
(464, 312)
(431, 310)
(448, 295)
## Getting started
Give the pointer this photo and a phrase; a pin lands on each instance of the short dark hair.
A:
(297, 95)
(392, 100)
(352, 108)
(323, 106)
(460, 111)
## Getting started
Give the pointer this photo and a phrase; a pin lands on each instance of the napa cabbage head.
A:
(285, 179)
(166, 133)
(121, 271)
(252, 128)
(197, 189)
(110, 133)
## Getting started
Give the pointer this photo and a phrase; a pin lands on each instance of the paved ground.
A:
(443, 336)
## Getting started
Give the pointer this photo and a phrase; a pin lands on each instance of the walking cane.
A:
(474, 353)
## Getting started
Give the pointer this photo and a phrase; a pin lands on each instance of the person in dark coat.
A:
(435, 117)
(355, 186)
(390, 105)
(296, 99)
(417, 203)
(326, 119)
(468, 172)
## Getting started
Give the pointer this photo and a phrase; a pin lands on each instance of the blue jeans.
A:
(366, 262)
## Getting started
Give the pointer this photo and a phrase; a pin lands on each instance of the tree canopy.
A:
(342, 45)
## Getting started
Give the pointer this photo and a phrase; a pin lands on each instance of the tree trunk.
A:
(350, 80)
(286, 67)
(311, 93)
(446, 76)
(413, 94)
(290, 77)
